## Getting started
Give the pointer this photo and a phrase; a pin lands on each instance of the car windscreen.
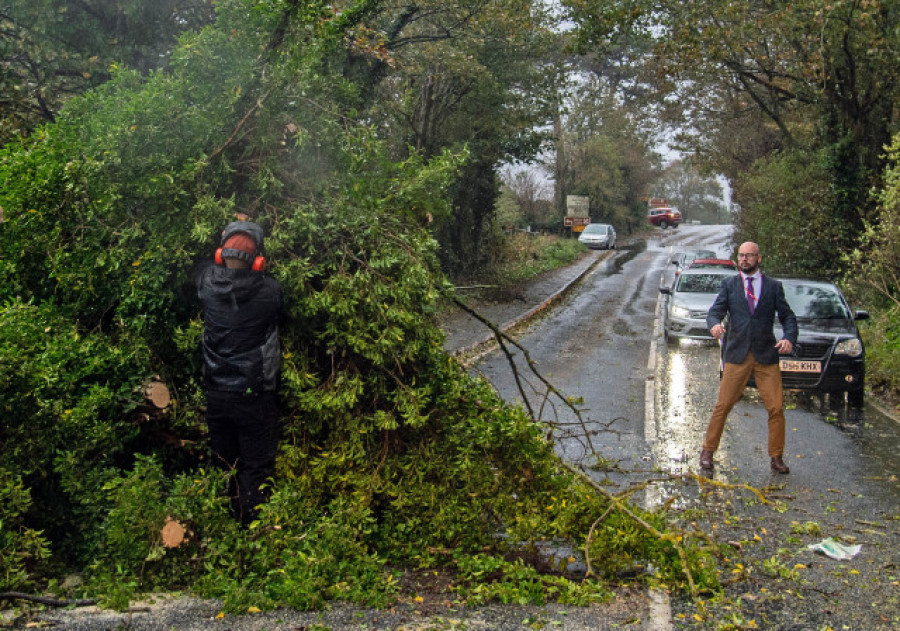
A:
(699, 254)
(699, 283)
(815, 301)
(595, 228)
(700, 265)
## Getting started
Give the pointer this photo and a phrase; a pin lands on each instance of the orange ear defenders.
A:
(257, 263)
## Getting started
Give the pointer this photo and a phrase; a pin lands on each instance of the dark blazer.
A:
(754, 333)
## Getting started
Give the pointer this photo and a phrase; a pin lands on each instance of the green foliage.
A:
(872, 278)
(881, 335)
(472, 83)
(20, 546)
(876, 262)
(488, 578)
(787, 208)
(304, 557)
(68, 409)
(526, 256)
(52, 50)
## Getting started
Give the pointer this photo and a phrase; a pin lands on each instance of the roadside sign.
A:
(576, 222)
(577, 205)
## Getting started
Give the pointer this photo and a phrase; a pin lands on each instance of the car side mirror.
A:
(861, 315)
(665, 290)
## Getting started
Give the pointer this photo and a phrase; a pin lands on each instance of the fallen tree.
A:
(393, 456)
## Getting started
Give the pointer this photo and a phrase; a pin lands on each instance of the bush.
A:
(787, 209)
(20, 547)
(524, 256)
(874, 269)
(882, 338)
(69, 415)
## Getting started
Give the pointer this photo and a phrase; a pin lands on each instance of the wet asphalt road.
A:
(645, 403)
(599, 346)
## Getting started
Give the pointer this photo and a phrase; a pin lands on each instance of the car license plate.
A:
(794, 365)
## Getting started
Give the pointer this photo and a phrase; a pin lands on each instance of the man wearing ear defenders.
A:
(241, 362)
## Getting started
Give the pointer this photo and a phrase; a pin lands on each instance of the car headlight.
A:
(681, 312)
(852, 347)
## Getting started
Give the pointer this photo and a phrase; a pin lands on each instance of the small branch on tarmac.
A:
(45, 600)
(620, 505)
(502, 340)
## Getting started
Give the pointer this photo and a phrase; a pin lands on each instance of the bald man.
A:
(751, 300)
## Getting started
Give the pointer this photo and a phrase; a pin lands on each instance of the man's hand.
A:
(785, 347)
(717, 331)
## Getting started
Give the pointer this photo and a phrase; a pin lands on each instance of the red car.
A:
(664, 217)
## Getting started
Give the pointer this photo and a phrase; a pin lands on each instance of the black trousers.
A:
(243, 435)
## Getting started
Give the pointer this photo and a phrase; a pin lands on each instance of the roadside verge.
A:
(468, 348)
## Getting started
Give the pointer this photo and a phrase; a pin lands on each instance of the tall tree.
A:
(531, 192)
(607, 157)
(787, 59)
(51, 50)
(469, 73)
(695, 195)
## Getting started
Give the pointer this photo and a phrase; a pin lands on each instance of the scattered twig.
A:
(503, 339)
(671, 538)
(704, 481)
(46, 600)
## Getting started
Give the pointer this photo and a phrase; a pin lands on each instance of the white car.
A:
(598, 236)
(690, 298)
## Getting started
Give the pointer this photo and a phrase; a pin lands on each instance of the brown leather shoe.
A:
(778, 465)
(706, 459)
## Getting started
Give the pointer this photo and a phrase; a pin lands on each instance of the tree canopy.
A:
(51, 50)
(749, 78)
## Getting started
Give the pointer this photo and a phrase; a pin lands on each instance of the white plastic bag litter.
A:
(835, 549)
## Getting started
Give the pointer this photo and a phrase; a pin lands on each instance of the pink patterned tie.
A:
(751, 297)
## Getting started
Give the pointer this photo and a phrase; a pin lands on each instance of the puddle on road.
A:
(630, 253)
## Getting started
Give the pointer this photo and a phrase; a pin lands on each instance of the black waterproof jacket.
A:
(241, 310)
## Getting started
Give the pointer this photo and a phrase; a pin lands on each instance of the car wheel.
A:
(855, 398)
(663, 224)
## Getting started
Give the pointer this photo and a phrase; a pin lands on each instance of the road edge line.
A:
(489, 342)
(660, 611)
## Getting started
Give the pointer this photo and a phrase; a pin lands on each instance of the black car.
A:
(829, 356)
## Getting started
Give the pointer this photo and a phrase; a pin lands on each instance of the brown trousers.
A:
(731, 387)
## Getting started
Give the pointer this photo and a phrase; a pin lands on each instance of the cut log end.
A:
(173, 534)
(157, 393)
